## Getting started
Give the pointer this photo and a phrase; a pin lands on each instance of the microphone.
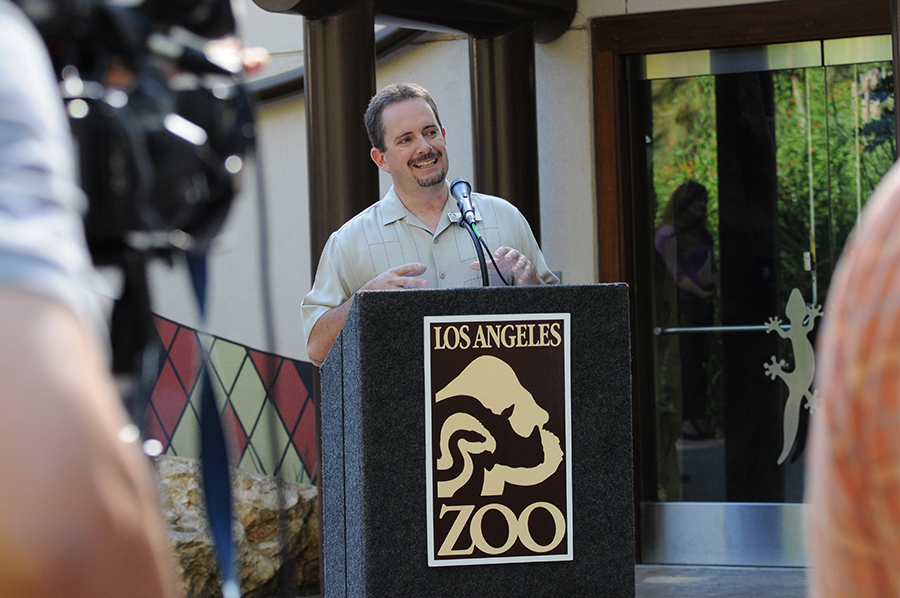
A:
(460, 190)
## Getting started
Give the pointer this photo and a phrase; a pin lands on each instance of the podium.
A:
(478, 443)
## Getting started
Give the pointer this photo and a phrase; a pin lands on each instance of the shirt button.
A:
(443, 275)
(436, 240)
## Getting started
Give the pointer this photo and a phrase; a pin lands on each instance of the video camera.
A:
(161, 129)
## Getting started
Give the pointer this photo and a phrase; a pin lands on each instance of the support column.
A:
(340, 80)
(504, 119)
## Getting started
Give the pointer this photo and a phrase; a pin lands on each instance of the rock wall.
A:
(258, 527)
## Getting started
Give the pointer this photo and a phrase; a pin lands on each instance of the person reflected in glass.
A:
(685, 243)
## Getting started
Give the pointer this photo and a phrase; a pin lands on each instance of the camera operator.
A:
(79, 513)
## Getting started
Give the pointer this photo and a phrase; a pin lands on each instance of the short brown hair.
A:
(396, 92)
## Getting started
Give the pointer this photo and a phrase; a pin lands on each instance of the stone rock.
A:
(260, 528)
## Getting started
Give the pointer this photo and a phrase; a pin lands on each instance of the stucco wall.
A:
(439, 62)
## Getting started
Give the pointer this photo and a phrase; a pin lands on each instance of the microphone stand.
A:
(460, 190)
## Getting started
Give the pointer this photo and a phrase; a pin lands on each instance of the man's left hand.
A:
(513, 264)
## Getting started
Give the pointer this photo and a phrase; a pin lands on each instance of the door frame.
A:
(623, 257)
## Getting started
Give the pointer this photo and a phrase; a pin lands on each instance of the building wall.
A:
(439, 62)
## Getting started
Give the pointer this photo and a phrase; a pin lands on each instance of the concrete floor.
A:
(653, 581)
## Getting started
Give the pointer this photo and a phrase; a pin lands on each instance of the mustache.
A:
(432, 154)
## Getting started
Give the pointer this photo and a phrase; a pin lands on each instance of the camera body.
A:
(161, 130)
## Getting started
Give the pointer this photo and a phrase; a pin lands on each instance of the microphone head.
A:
(460, 188)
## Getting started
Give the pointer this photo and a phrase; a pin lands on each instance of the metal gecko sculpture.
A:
(802, 318)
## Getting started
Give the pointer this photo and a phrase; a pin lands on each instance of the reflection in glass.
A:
(787, 159)
(684, 242)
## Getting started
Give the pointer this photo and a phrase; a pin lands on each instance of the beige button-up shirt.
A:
(386, 235)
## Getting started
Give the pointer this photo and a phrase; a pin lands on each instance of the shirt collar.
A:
(393, 210)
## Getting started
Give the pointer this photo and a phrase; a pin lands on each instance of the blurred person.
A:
(687, 248)
(79, 511)
(853, 467)
(408, 239)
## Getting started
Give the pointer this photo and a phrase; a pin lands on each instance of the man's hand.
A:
(513, 264)
(331, 323)
(401, 277)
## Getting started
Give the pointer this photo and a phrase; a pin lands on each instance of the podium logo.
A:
(498, 439)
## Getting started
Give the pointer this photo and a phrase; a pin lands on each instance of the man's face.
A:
(415, 150)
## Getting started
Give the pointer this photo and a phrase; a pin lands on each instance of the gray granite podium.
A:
(383, 392)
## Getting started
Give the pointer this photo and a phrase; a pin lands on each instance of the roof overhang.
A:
(478, 18)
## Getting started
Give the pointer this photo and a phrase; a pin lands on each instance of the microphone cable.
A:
(479, 243)
(496, 268)
(473, 232)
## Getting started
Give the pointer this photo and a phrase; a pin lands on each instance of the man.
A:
(853, 477)
(79, 513)
(411, 238)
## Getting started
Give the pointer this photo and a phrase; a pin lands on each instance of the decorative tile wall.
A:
(266, 402)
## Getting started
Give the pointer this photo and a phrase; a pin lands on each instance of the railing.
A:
(696, 329)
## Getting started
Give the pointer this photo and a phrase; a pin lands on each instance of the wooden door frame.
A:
(612, 40)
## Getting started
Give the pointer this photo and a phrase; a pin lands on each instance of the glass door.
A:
(754, 166)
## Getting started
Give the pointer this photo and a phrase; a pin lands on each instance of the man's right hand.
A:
(330, 324)
(401, 277)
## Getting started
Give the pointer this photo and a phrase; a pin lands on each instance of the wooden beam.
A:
(754, 24)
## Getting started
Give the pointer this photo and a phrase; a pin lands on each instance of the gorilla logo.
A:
(494, 384)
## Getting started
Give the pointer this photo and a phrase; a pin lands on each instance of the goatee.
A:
(435, 180)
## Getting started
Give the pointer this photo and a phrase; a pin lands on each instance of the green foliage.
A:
(834, 135)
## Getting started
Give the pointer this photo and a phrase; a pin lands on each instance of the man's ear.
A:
(378, 158)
